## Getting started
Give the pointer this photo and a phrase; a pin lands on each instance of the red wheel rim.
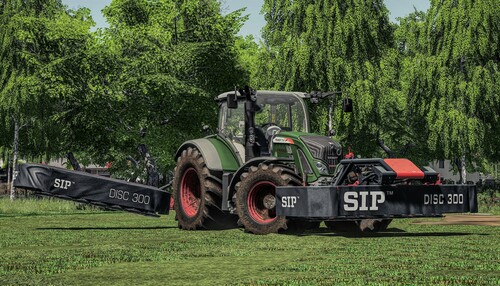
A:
(190, 192)
(256, 202)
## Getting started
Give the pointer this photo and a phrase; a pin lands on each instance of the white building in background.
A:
(62, 163)
(92, 169)
(445, 169)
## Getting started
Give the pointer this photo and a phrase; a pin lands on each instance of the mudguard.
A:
(217, 155)
(230, 188)
(92, 189)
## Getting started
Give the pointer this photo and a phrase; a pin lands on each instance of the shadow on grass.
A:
(105, 228)
(391, 232)
(55, 213)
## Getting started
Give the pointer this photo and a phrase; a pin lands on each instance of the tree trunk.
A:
(384, 147)
(458, 164)
(9, 178)
(463, 170)
(153, 175)
(14, 160)
(72, 160)
(330, 120)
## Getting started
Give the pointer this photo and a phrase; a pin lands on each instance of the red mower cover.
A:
(405, 169)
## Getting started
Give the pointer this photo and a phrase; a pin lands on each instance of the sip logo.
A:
(63, 184)
(289, 201)
(363, 201)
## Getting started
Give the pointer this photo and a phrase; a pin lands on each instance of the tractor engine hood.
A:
(323, 148)
(316, 151)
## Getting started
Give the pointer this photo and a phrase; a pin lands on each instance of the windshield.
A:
(285, 110)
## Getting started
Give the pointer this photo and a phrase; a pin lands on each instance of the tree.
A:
(403, 128)
(151, 78)
(34, 35)
(330, 45)
(248, 57)
(452, 78)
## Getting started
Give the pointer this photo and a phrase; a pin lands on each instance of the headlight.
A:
(323, 169)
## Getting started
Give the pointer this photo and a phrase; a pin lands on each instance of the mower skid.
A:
(92, 189)
(377, 201)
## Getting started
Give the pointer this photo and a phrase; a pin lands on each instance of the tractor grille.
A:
(324, 148)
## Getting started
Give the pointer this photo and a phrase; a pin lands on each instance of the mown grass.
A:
(39, 206)
(115, 248)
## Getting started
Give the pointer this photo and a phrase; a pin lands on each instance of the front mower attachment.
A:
(377, 201)
(92, 189)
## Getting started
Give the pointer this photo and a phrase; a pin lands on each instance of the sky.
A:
(397, 8)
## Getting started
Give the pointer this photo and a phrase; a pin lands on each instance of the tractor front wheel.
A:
(255, 198)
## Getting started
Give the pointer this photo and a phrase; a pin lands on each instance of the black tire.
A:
(343, 226)
(197, 195)
(300, 226)
(255, 198)
(364, 225)
(374, 225)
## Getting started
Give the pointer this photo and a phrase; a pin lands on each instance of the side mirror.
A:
(207, 129)
(232, 101)
(347, 105)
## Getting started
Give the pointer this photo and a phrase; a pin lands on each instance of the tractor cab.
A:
(256, 121)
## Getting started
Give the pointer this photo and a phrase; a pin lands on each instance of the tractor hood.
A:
(314, 151)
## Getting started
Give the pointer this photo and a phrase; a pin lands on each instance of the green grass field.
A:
(55, 243)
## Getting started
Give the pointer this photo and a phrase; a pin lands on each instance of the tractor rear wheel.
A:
(197, 195)
(256, 202)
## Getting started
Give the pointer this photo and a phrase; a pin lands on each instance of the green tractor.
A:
(267, 171)
(235, 172)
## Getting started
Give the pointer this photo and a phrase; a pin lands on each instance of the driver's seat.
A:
(262, 143)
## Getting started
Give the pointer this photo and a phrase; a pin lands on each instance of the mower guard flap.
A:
(92, 189)
(377, 201)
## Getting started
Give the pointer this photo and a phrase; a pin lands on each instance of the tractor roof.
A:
(266, 93)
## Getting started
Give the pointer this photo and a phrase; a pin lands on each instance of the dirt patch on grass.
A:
(467, 219)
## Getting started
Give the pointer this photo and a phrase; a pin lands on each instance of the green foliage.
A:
(248, 58)
(153, 72)
(117, 248)
(450, 75)
(432, 81)
(329, 46)
(38, 37)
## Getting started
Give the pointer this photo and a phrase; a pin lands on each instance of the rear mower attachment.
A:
(92, 189)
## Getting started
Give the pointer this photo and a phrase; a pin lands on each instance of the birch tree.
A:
(452, 78)
(34, 35)
(329, 46)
